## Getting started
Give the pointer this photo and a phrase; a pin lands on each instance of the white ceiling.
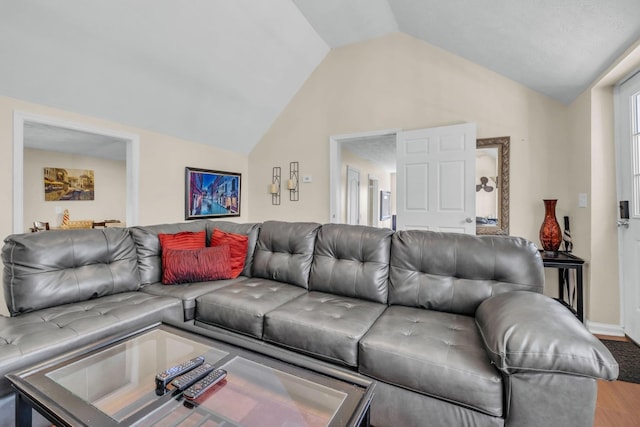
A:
(379, 150)
(41, 136)
(221, 71)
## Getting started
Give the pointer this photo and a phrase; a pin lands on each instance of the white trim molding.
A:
(605, 329)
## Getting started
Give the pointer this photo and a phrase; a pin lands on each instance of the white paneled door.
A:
(628, 146)
(435, 179)
(353, 196)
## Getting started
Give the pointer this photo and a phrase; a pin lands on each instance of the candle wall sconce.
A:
(274, 188)
(293, 182)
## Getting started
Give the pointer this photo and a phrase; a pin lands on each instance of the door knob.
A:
(468, 220)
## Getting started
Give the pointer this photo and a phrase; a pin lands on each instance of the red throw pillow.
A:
(195, 265)
(183, 240)
(238, 244)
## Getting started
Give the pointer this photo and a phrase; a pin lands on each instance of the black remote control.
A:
(165, 377)
(191, 377)
(205, 384)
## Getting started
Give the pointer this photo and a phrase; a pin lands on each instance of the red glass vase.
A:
(550, 233)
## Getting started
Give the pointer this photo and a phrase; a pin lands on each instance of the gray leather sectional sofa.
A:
(453, 329)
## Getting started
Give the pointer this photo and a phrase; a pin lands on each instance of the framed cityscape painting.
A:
(211, 193)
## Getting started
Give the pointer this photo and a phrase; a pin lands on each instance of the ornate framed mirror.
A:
(492, 185)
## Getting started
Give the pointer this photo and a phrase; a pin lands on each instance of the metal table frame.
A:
(564, 262)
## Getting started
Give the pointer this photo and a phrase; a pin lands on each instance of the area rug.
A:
(628, 356)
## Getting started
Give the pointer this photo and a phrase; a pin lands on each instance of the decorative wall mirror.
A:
(492, 185)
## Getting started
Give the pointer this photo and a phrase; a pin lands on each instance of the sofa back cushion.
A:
(352, 261)
(250, 230)
(149, 249)
(64, 266)
(284, 252)
(456, 272)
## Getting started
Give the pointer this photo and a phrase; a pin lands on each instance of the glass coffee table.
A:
(113, 384)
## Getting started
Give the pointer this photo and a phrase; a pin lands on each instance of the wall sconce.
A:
(274, 188)
(293, 182)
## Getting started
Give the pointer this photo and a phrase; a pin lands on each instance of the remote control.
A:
(205, 384)
(165, 377)
(191, 377)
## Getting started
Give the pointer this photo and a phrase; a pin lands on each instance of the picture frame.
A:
(211, 193)
(66, 184)
(385, 205)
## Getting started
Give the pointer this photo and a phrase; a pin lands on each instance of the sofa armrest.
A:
(530, 332)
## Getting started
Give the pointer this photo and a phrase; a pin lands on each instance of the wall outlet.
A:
(307, 178)
(582, 200)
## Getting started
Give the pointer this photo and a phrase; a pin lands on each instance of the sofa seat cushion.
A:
(188, 292)
(434, 353)
(241, 306)
(30, 338)
(324, 325)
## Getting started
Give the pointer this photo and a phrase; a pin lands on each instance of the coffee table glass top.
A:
(128, 369)
(114, 384)
(254, 395)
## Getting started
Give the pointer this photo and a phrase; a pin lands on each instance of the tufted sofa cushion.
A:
(433, 353)
(352, 261)
(456, 272)
(241, 306)
(284, 252)
(58, 267)
(33, 337)
(323, 325)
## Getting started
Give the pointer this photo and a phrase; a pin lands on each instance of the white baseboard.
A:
(605, 329)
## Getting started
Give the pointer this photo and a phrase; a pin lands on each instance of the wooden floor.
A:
(618, 403)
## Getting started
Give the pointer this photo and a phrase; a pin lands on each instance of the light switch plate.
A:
(582, 200)
(307, 178)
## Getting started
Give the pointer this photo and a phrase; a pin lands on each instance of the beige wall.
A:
(163, 159)
(366, 169)
(398, 81)
(110, 188)
(604, 290)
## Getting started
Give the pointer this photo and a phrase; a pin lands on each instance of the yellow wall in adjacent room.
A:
(110, 185)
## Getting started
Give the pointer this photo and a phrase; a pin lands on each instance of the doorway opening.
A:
(22, 120)
(373, 153)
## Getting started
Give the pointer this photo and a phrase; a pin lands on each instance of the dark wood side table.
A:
(564, 262)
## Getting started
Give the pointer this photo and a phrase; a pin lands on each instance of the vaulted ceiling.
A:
(221, 71)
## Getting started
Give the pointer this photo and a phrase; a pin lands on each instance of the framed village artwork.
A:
(68, 184)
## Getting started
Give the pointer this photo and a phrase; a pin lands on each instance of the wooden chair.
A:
(39, 226)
